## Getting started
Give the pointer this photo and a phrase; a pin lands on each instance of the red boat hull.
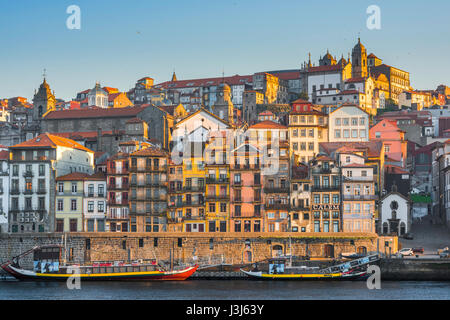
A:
(178, 275)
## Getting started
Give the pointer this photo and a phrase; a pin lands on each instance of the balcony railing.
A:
(238, 167)
(113, 186)
(272, 189)
(120, 203)
(194, 188)
(325, 188)
(277, 206)
(148, 169)
(213, 197)
(211, 180)
(359, 197)
(29, 174)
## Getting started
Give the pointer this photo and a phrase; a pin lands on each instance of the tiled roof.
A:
(374, 148)
(394, 169)
(95, 112)
(267, 125)
(300, 101)
(74, 176)
(4, 155)
(135, 120)
(113, 96)
(359, 79)
(51, 141)
(349, 92)
(76, 135)
(81, 176)
(335, 67)
(286, 74)
(150, 151)
(205, 82)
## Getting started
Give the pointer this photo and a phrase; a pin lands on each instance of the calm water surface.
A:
(223, 290)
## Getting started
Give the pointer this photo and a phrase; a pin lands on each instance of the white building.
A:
(4, 190)
(34, 166)
(98, 97)
(395, 214)
(94, 203)
(348, 123)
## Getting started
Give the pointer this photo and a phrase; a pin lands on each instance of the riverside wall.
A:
(202, 248)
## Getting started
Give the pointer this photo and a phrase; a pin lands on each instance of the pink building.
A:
(245, 192)
(393, 138)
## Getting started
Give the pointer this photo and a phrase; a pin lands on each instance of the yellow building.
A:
(69, 202)
(217, 185)
(307, 128)
(193, 205)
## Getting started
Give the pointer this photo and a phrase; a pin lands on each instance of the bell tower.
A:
(43, 100)
(359, 61)
(223, 107)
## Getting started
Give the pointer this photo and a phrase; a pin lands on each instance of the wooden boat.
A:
(353, 270)
(47, 268)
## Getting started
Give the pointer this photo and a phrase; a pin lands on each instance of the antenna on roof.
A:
(44, 75)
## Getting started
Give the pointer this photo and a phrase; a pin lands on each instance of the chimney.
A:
(99, 138)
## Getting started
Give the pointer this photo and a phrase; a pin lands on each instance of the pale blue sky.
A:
(122, 41)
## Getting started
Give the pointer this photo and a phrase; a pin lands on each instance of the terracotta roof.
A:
(205, 82)
(94, 112)
(355, 165)
(52, 141)
(4, 155)
(374, 148)
(301, 101)
(135, 120)
(334, 67)
(349, 92)
(96, 176)
(267, 125)
(78, 135)
(372, 56)
(286, 74)
(73, 176)
(150, 151)
(266, 113)
(324, 158)
(359, 79)
(81, 176)
(113, 96)
(394, 169)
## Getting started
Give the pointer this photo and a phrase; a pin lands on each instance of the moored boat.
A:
(47, 268)
(352, 270)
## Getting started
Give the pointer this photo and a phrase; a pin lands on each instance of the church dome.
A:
(224, 86)
(97, 90)
(359, 46)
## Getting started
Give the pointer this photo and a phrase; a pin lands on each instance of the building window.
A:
(74, 188)
(60, 205)
(60, 187)
(337, 133)
(73, 204)
(101, 206)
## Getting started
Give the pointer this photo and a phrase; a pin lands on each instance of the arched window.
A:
(402, 228)
(277, 251)
(385, 228)
(362, 250)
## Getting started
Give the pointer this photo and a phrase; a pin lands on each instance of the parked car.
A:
(444, 254)
(406, 252)
(418, 250)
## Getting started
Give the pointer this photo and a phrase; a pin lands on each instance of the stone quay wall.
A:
(185, 248)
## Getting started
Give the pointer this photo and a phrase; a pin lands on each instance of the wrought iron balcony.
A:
(273, 189)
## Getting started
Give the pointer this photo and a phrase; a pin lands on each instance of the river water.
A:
(225, 290)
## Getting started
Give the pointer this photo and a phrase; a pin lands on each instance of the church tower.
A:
(43, 101)
(223, 107)
(359, 61)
